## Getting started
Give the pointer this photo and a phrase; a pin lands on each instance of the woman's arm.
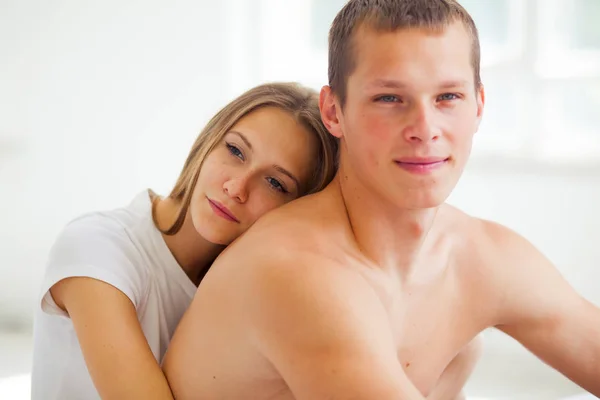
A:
(113, 344)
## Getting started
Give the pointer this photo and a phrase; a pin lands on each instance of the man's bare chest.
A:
(428, 339)
(431, 324)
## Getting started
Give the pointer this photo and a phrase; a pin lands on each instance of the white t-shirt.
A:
(121, 247)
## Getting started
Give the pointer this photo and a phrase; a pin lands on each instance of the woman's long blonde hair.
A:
(300, 101)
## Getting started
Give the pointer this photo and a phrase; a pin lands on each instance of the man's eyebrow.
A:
(454, 83)
(387, 83)
(395, 84)
(244, 138)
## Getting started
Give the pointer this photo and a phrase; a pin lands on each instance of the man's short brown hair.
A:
(389, 16)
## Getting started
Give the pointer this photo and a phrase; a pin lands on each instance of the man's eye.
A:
(448, 97)
(388, 99)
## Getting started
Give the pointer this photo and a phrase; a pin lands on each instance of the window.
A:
(540, 68)
(542, 81)
(568, 72)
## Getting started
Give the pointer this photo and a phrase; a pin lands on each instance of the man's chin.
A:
(422, 201)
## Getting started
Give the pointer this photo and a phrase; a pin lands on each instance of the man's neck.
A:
(388, 235)
(193, 253)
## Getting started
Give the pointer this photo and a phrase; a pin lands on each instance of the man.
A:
(374, 288)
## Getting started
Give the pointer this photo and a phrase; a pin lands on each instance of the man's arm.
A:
(455, 376)
(325, 331)
(545, 314)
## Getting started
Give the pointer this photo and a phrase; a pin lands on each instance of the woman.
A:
(117, 282)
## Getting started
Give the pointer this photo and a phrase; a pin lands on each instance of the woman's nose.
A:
(237, 189)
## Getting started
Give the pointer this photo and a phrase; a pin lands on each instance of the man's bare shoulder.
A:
(488, 247)
(491, 237)
(505, 243)
(284, 249)
(288, 266)
(499, 258)
(303, 226)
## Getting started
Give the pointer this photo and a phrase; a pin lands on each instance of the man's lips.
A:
(421, 160)
(421, 165)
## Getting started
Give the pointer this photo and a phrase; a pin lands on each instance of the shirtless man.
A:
(371, 288)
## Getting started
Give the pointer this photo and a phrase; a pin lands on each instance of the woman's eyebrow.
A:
(246, 141)
(288, 173)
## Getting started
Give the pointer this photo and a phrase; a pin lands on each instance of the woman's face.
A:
(263, 162)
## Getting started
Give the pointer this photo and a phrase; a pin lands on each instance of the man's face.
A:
(410, 115)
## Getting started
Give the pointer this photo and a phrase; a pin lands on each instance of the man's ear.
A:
(329, 111)
(480, 104)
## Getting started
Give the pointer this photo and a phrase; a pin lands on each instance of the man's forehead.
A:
(366, 35)
(382, 53)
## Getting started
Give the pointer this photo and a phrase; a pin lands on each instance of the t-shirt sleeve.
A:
(96, 247)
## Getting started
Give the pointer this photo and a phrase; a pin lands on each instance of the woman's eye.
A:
(235, 151)
(277, 185)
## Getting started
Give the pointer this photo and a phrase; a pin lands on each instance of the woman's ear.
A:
(329, 111)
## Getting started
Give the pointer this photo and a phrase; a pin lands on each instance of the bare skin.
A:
(300, 302)
(374, 288)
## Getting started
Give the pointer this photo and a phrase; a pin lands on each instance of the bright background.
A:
(99, 100)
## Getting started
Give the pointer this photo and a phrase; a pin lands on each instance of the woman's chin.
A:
(217, 236)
